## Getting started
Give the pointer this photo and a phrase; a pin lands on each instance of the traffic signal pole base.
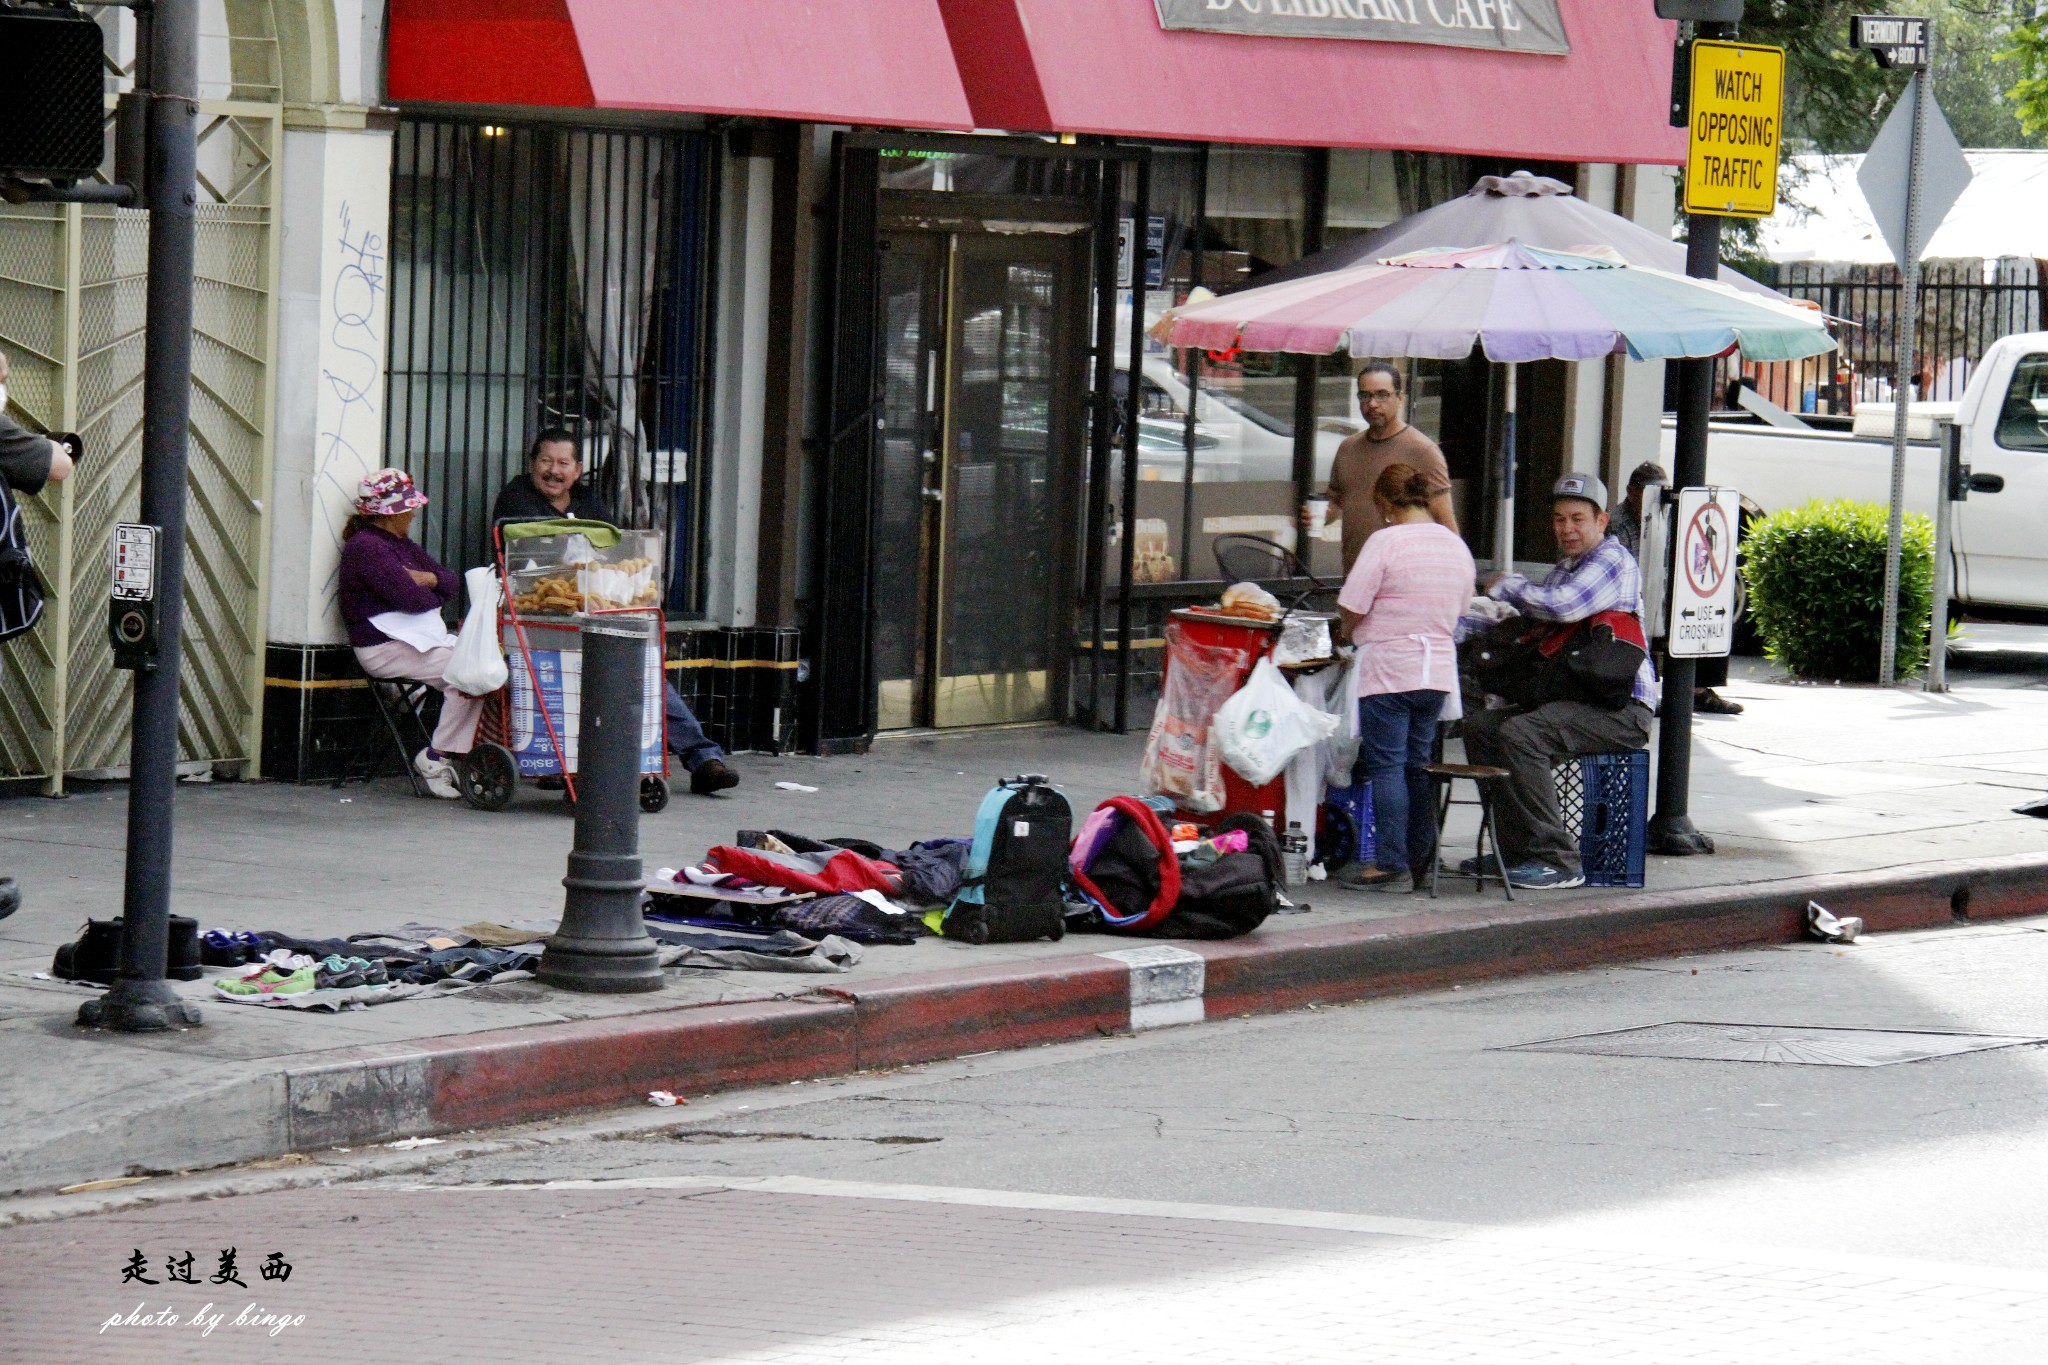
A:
(1674, 837)
(139, 1006)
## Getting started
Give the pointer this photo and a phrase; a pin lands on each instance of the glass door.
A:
(908, 484)
(983, 357)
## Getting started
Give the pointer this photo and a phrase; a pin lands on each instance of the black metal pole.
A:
(602, 944)
(141, 1000)
(1134, 362)
(1315, 211)
(1671, 829)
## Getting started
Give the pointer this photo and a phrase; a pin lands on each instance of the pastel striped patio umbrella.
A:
(1513, 302)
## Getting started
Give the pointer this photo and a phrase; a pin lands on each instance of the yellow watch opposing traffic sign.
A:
(1737, 124)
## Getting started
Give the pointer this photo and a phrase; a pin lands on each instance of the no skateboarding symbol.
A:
(1703, 590)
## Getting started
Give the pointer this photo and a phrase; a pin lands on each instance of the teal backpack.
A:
(1017, 868)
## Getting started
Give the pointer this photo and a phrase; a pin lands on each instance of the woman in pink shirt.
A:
(1400, 604)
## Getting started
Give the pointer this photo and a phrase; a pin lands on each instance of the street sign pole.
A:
(1904, 327)
(1734, 108)
(1912, 176)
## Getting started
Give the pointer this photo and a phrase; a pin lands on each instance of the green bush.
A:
(1816, 588)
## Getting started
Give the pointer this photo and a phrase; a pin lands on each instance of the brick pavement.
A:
(676, 1270)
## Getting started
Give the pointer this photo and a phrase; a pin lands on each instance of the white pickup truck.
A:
(2000, 537)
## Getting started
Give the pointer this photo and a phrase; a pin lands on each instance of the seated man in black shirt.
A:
(552, 487)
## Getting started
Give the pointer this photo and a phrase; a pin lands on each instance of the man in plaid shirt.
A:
(1596, 574)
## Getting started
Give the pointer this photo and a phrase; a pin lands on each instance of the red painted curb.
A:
(981, 1009)
(545, 1070)
(518, 1074)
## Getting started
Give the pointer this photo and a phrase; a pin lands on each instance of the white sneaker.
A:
(438, 774)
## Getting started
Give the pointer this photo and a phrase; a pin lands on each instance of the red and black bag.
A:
(1594, 661)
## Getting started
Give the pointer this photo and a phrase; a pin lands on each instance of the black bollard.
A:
(603, 943)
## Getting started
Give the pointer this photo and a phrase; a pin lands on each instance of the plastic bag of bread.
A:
(1251, 601)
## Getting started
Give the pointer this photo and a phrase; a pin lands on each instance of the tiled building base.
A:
(316, 707)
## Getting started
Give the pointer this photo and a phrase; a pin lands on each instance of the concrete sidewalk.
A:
(1896, 805)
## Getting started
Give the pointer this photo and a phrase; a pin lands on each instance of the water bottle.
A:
(1294, 853)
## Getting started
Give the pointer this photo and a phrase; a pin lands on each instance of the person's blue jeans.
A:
(1397, 734)
(686, 738)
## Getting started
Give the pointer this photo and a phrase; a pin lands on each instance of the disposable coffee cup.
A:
(1318, 516)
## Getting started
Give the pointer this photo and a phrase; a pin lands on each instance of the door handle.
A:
(934, 494)
(1987, 483)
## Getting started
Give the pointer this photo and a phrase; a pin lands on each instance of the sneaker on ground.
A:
(1535, 876)
(712, 776)
(269, 981)
(438, 774)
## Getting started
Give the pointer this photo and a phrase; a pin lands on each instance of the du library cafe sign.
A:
(1503, 25)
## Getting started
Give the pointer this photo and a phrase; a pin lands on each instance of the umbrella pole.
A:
(1504, 525)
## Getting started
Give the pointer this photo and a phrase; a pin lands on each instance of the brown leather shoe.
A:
(711, 777)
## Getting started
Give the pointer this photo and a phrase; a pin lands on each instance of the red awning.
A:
(835, 61)
(1083, 66)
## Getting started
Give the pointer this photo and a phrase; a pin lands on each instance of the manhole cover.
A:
(1774, 1043)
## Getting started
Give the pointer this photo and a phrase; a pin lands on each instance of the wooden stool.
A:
(1484, 780)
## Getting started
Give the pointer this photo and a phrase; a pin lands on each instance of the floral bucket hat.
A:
(387, 493)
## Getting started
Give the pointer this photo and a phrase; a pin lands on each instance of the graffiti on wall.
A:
(352, 378)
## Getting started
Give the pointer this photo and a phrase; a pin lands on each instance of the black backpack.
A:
(1017, 869)
(21, 588)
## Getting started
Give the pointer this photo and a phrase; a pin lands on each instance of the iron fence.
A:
(1964, 306)
(546, 276)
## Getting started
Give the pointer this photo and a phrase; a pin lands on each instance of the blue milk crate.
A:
(1355, 801)
(1605, 800)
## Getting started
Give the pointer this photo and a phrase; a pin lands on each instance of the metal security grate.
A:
(547, 276)
(1796, 1045)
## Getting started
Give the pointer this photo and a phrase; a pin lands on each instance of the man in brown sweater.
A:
(1386, 440)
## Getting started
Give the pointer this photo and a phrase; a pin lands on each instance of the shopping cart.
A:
(529, 726)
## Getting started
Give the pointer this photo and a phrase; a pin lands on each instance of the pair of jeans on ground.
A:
(1398, 732)
(460, 713)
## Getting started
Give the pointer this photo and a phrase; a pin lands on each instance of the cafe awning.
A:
(883, 62)
(1083, 66)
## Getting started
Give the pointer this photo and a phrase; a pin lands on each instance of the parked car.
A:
(2000, 541)
(1236, 439)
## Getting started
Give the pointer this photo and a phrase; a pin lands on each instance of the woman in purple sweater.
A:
(386, 579)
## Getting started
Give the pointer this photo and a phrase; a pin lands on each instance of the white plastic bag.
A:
(478, 667)
(1265, 724)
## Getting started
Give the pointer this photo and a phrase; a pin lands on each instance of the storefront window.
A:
(1231, 469)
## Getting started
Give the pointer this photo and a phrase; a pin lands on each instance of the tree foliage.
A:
(1990, 70)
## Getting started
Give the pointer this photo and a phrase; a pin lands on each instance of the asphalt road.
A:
(1397, 1180)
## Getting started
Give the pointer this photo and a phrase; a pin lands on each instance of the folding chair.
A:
(401, 710)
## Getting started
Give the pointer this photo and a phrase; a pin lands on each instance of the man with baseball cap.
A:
(1597, 575)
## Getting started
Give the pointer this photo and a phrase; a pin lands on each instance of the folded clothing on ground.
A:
(468, 964)
(783, 951)
(849, 917)
(822, 872)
